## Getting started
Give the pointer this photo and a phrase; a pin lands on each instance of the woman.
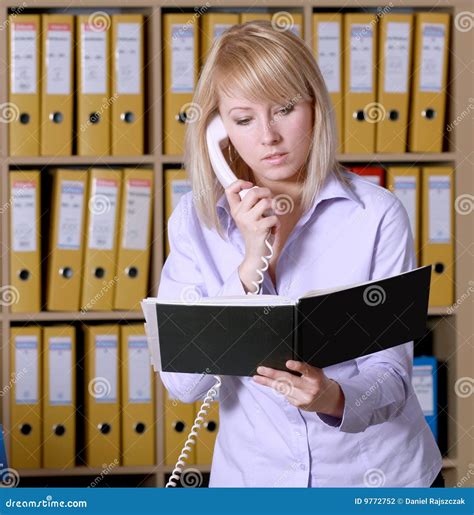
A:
(357, 423)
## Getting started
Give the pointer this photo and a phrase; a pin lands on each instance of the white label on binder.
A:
(329, 54)
(178, 188)
(361, 58)
(182, 58)
(373, 178)
(127, 59)
(432, 56)
(219, 28)
(296, 29)
(397, 46)
(105, 380)
(139, 374)
(24, 216)
(137, 214)
(422, 381)
(26, 369)
(405, 190)
(103, 214)
(24, 54)
(60, 371)
(439, 216)
(58, 59)
(70, 215)
(93, 60)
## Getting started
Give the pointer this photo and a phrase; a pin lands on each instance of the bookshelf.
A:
(452, 332)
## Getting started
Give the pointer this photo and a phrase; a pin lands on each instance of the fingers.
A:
(254, 196)
(232, 192)
(268, 376)
(260, 207)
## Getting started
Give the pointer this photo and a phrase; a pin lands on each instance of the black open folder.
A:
(234, 335)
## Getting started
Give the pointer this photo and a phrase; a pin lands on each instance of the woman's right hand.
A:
(254, 227)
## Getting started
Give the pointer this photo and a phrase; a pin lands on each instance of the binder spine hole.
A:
(99, 272)
(127, 117)
(66, 272)
(179, 426)
(24, 275)
(439, 268)
(429, 114)
(56, 117)
(59, 430)
(94, 118)
(24, 118)
(211, 426)
(132, 272)
(140, 428)
(104, 428)
(359, 116)
(25, 429)
(181, 117)
(393, 115)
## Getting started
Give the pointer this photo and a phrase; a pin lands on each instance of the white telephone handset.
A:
(217, 138)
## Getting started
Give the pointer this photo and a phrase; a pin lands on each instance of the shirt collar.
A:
(332, 188)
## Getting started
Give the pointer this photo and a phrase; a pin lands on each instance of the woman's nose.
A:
(270, 133)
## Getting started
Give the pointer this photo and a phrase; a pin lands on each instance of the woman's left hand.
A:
(313, 391)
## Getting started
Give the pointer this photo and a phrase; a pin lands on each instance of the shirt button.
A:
(303, 467)
(297, 433)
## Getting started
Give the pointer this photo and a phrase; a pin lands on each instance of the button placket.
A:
(295, 419)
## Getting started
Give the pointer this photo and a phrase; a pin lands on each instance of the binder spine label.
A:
(127, 59)
(103, 208)
(361, 58)
(137, 205)
(439, 217)
(24, 216)
(405, 190)
(60, 371)
(329, 50)
(93, 59)
(26, 370)
(58, 59)
(23, 61)
(182, 58)
(105, 380)
(397, 46)
(70, 215)
(422, 381)
(139, 374)
(219, 28)
(432, 57)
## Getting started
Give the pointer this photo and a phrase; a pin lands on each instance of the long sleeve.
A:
(181, 278)
(380, 389)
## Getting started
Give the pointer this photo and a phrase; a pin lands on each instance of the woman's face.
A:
(257, 130)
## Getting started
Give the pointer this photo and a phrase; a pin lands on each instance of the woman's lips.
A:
(276, 159)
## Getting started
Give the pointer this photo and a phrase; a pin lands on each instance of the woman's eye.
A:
(243, 122)
(286, 110)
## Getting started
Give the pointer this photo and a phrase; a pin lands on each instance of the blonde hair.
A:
(262, 63)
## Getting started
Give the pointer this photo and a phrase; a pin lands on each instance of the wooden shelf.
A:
(449, 463)
(49, 4)
(440, 311)
(294, 4)
(408, 157)
(168, 469)
(80, 160)
(72, 316)
(50, 316)
(86, 471)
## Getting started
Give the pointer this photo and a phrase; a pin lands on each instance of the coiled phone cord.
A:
(213, 391)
